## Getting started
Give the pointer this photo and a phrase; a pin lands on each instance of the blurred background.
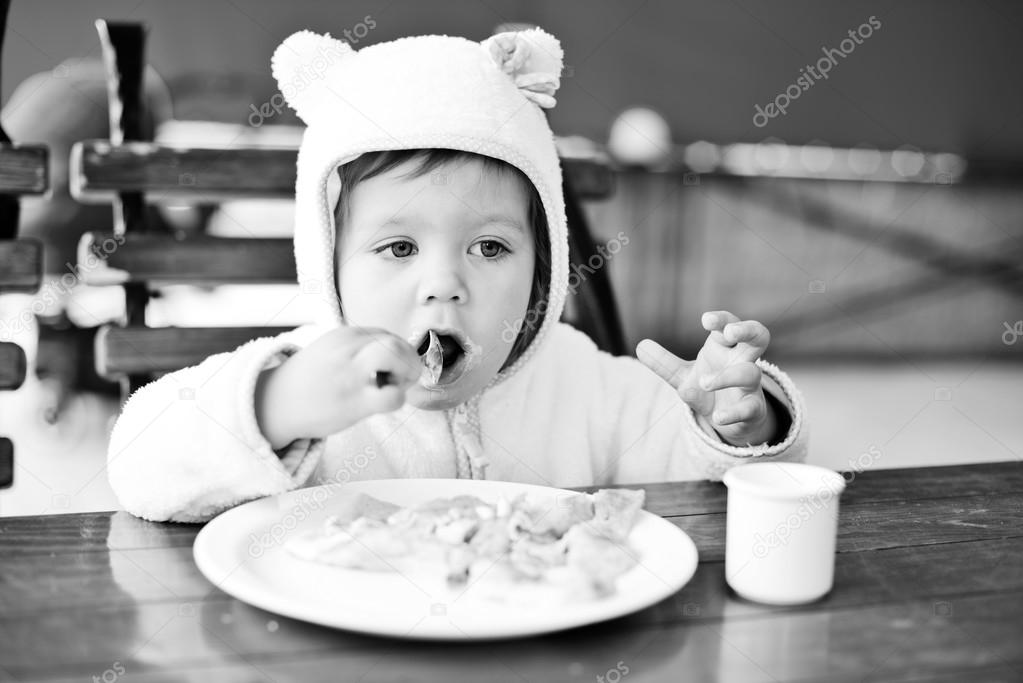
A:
(850, 174)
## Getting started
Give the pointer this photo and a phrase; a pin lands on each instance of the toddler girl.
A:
(430, 222)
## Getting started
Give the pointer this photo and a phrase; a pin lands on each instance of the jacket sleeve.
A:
(657, 437)
(714, 456)
(188, 446)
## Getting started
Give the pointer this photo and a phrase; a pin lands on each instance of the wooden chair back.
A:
(23, 170)
(127, 170)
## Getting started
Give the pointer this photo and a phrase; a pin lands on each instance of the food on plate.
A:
(576, 544)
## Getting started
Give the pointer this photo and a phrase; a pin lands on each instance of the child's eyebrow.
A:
(488, 219)
(397, 222)
(503, 219)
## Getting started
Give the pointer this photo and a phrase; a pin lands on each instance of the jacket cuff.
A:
(792, 447)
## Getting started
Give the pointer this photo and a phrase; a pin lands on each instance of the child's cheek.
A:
(359, 292)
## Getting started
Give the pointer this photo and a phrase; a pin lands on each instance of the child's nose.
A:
(443, 284)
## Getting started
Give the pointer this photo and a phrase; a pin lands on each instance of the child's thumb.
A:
(667, 365)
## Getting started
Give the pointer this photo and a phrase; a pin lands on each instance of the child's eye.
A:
(399, 249)
(490, 248)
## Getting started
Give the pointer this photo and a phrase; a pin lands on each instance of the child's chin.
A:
(440, 398)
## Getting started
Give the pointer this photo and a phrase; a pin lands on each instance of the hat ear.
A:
(532, 59)
(300, 64)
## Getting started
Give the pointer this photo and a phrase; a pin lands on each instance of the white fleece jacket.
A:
(564, 414)
(187, 446)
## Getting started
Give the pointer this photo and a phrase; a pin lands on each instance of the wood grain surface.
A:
(100, 169)
(21, 265)
(143, 350)
(928, 586)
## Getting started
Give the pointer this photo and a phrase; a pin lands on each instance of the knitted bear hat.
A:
(419, 92)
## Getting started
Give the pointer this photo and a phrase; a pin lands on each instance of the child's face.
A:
(451, 251)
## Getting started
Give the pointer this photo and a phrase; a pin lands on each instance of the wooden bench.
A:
(23, 170)
(106, 170)
(126, 170)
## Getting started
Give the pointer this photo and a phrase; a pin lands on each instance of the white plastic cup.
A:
(782, 522)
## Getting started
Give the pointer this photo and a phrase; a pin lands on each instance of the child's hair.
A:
(372, 164)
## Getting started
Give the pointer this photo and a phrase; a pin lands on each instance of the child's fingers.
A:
(409, 367)
(714, 321)
(667, 365)
(741, 375)
(344, 341)
(385, 352)
(749, 332)
(383, 399)
(750, 409)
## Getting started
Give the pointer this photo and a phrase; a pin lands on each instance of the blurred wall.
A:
(941, 74)
(891, 271)
(885, 271)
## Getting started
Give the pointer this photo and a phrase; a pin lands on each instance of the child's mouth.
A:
(444, 354)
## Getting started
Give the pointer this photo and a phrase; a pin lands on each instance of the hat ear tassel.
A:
(533, 59)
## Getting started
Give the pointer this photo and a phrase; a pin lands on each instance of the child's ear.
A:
(300, 65)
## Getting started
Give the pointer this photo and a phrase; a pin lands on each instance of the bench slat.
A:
(145, 350)
(150, 257)
(23, 169)
(6, 462)
(21, 265)
(99, 170)
(12, 366)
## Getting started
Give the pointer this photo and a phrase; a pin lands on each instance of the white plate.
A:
(241, 552)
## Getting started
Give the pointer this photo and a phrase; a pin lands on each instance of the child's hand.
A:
(723, 383)
(331, 384)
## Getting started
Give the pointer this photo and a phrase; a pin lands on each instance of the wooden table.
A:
(928, 586)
